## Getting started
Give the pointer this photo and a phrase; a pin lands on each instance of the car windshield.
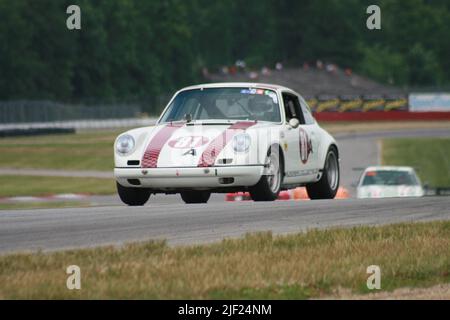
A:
(389, 178)
(224, 104)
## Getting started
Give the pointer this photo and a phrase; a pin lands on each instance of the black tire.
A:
(328, 185)
(195, 196)
(133, 196)
(266, 189)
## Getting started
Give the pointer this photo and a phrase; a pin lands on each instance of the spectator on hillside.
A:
(265, 71)
(331, 68)
(319, 64)
(253, 75)
(279, 66)
(240, 64)
(205, 72)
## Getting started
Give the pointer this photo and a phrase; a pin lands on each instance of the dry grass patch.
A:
(438, 292)
(305, 265)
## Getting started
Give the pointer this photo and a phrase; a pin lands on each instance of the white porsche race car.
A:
(228, 137)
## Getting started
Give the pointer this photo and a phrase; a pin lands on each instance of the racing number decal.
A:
(188, 142)
(305, 145)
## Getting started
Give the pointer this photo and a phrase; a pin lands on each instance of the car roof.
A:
(390, 168)
(238, 85)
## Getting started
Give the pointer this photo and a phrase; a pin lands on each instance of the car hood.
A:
(193, 144)
(380, 191)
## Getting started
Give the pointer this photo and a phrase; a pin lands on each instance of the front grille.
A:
(133, 162)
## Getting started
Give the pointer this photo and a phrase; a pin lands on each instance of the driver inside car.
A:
(261, 107)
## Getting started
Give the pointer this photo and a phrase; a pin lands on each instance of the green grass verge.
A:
(258, 266)
(43, 205)
(80, 151)
(13, 186)
(430, 157)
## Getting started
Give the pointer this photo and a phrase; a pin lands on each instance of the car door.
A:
(312, 139)
(297, 142)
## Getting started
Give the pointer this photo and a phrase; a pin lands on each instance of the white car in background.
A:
(228, 137)
(388, 182)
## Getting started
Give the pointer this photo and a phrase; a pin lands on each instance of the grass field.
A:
(81, 151)
(259, 266)
(13, 186)
(430, 157)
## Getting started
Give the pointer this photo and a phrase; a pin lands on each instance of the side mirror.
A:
(294, 123)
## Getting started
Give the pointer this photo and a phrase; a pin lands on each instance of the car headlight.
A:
(125, 144)
(241, 142)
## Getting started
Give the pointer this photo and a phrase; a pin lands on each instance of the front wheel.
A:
(327, 186)
(268, 187)
(195, 196)
(133, 196)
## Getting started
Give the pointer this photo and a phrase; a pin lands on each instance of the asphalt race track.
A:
(51, 229)
(167, 218)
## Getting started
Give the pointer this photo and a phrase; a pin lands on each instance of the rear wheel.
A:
(268, 187)
(195, 196)
(133, 196)
(327, 186)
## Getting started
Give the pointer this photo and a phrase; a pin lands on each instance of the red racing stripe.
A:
(151, 154)
(209, 156)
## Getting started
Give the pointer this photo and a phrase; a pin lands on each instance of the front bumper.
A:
(190, 177)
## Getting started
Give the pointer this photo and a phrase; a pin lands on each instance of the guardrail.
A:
(382, 116)
(437, 191)
(81, 124)
(26, 111)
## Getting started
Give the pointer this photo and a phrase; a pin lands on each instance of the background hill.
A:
(314, 82)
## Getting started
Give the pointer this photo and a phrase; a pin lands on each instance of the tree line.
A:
(135, 50)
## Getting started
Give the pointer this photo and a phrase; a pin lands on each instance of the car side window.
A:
(292, 108)
(309, 119)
